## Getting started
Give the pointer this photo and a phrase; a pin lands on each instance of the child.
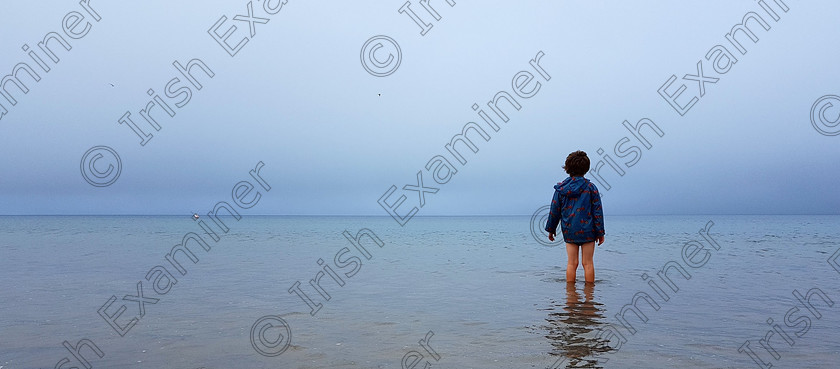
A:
(577, 207)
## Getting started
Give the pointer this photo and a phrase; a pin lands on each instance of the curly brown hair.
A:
(577, 164)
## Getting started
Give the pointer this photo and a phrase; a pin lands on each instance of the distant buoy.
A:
(195, 216)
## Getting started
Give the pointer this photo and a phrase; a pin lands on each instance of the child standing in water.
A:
(576, 206)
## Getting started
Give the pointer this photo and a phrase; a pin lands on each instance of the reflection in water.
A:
(572, 329)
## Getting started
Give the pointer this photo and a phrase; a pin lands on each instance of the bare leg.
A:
(587, 250)
(572, 264)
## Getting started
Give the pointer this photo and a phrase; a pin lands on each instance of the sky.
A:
(334, 138)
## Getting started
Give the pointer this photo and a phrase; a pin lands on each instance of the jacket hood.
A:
(572, 186)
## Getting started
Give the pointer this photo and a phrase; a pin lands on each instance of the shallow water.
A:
(481, 289)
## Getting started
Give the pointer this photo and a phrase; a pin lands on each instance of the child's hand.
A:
(551, 236)
(600, 240)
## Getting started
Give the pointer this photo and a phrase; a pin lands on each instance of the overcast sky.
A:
(334, 138)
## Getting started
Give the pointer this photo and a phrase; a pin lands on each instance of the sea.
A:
(700, 291)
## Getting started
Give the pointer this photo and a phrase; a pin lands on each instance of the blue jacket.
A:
(576, 206)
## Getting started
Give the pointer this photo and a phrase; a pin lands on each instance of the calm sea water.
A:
(481, 289)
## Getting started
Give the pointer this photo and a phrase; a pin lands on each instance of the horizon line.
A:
(416, 216)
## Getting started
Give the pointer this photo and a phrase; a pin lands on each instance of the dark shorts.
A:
(579, 243)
